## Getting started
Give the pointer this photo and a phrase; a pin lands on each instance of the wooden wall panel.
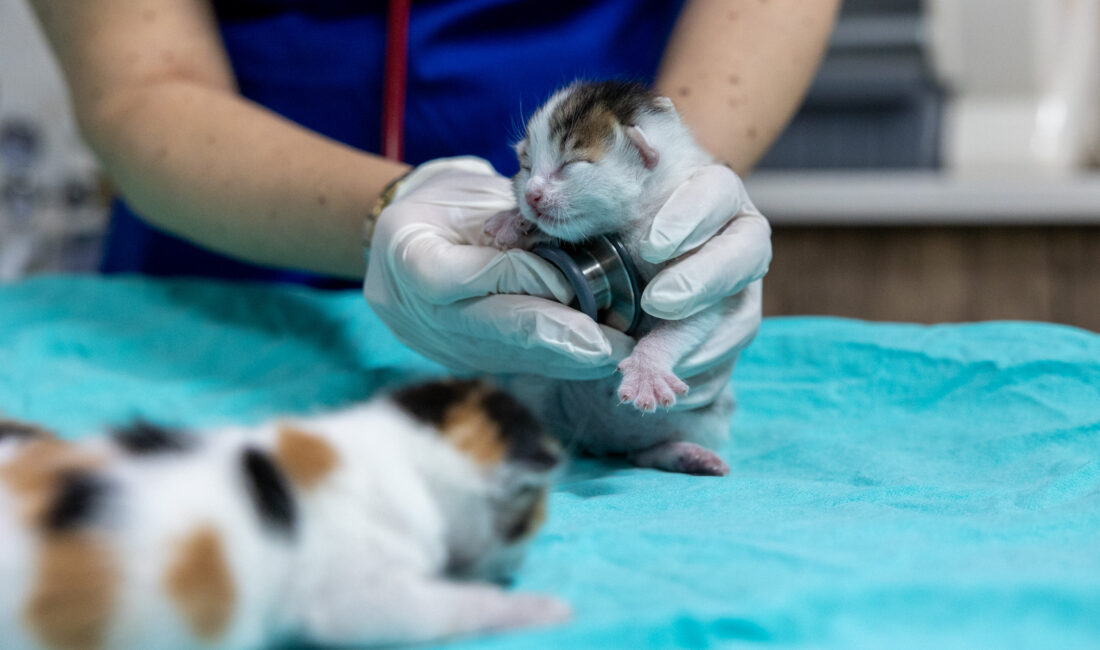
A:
(937, 274)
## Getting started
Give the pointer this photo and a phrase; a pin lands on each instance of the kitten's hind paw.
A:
(648, 387)
(532, 610)
(683, 458)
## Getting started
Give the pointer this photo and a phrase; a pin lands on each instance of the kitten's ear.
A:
(637, 137)
(664, 104)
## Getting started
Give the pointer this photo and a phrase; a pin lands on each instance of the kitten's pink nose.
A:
(534, 197)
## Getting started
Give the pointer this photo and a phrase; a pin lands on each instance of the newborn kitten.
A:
(377, 524)
(603, 158)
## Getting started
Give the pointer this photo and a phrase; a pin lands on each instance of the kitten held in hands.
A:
(603, 158)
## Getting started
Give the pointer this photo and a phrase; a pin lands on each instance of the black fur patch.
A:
(22, 430)
(269, 492)
(625, 100)
(142, 438)
(79, 499)
(525, 438)
(429, 402)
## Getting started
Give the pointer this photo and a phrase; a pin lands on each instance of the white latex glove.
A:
(726, 244)
(438, 285)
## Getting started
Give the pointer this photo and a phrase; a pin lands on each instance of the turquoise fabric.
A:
(891, 485)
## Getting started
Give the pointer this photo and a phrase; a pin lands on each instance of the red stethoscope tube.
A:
(395, 80)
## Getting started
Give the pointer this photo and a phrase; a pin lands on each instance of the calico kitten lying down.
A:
(368, 525)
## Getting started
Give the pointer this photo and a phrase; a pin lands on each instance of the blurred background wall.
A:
(943, 167)
(52, 203)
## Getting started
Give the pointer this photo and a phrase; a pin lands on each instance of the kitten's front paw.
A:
(508, 229)
(530, 610)
(648, 387)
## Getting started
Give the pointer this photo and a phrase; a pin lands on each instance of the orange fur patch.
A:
(593, 133)
(74, 595)
(201, 585)
(468, 425)
(70, 605)
(306, 458)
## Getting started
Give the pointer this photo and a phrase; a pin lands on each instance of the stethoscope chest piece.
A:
(605, 281)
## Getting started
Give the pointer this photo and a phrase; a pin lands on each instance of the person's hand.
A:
(436, 283)
(726, 247)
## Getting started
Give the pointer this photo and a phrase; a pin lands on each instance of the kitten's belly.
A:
(587, 414)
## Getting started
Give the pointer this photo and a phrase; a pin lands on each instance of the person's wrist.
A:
(422, 175)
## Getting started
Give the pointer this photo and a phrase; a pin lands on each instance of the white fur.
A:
(618, 194)
(369, 563)
(15, 572)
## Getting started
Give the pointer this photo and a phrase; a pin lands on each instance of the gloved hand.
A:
(710, 216)
(438, 285)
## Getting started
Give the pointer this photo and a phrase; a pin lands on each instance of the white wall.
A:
(54, 233)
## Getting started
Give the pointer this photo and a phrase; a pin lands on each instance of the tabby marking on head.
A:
(584, 120)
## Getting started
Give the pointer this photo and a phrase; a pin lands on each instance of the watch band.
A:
(383, 202)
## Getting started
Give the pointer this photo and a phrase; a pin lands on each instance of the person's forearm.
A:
(231, 176)
(155, 97)
(738, 69)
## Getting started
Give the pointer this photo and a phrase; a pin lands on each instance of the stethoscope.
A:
(605, 282)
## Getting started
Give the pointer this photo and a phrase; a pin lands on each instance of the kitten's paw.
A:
(648, 387)
(683, 458)
(507, 229)
(530, 610)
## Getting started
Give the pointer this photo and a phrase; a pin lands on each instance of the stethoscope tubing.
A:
(395, 80)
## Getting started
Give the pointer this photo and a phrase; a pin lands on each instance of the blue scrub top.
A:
(476, 70)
